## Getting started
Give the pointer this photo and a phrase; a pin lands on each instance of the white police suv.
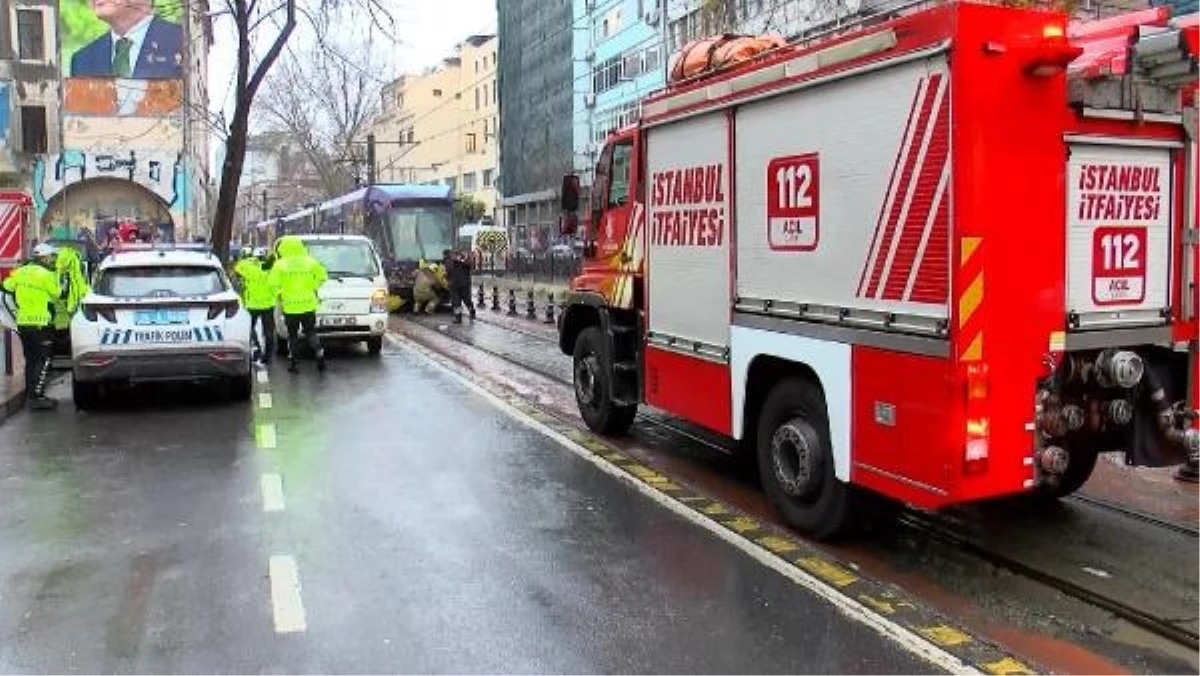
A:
(160, 313)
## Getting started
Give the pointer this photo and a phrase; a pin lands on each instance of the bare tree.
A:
(252, 19)
(322, 98)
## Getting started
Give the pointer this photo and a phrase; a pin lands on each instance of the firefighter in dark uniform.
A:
(458, 273)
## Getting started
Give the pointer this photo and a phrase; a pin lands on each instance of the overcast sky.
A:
(428, 31)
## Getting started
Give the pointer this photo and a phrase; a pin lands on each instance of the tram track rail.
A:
(931, 525)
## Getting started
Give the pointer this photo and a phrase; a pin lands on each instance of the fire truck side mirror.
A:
(569, 195)
(568, 223)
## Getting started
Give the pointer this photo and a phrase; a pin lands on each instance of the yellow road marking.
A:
(831, 573)
(944, 636)
(1006, 666)
(742, 524)
(777, 544)
(879, 605)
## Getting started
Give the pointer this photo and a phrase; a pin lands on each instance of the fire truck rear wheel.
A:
(593, 386)
(1079, 470)
(795, 461)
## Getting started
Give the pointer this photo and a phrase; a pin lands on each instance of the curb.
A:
(13, 403)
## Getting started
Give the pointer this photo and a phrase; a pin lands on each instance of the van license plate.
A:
(335, 321)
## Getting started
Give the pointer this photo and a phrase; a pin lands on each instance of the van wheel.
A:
(795, 461)
(593, 386)
(374, 345)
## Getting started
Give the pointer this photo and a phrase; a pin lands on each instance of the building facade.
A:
(29, 93)
(441, 126)
(134, 126)
(619, 59)
(537, 105)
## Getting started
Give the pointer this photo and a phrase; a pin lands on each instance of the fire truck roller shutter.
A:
(688, 269)
(843, 193)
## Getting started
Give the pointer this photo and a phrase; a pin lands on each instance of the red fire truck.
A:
(917, 257)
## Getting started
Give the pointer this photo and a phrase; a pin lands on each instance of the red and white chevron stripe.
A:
(10, 232)
(909, 259)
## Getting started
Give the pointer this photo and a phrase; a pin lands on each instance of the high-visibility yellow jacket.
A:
(69, 267)
(295, 277)
(256, 287)
(36, 289)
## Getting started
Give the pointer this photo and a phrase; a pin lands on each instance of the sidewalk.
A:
(11, 386)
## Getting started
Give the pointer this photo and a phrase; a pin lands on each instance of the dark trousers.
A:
(267, 319)
(308, 322)
(460, 294)
(37, 344)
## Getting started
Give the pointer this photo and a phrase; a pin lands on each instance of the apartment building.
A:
(29, 96)
(441, 126)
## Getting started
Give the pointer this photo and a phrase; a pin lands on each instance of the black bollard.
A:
(549, 308)
(495, 299)
(481, 297)
(512, 302)
(530, 307)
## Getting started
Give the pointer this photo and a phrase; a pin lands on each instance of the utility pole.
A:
(370, 159)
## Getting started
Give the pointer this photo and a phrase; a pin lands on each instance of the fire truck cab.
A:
(942, 254)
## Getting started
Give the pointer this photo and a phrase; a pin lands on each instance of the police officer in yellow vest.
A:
(259, 299)
(36, 288)
(295, 277)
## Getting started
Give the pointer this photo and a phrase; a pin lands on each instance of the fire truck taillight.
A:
(1052, 54)
(978, 424)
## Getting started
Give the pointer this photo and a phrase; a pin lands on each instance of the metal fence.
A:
(543, 268)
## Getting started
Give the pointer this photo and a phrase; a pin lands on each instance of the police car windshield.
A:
(344, 258)
(160, 281)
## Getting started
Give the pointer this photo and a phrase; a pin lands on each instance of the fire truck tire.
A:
(593, 386)
(1079, 470)
(795, 461)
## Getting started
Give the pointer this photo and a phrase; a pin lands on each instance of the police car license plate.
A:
(161, 317)
(335, 320)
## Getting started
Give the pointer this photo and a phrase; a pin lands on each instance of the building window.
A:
(31, 35)
(477, 98)
(488, 177)
(34, 138)
(494, 95)
(437, 92)
(412, 136)
(468, 182)
(472, 144)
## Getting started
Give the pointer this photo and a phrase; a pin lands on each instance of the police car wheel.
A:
(241, 388)
(375, 345)
(795, 461)
(86, 395)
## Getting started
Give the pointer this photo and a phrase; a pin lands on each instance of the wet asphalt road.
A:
(430, 532)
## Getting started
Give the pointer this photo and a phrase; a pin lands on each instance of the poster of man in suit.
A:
(123, 38)
(122, 57)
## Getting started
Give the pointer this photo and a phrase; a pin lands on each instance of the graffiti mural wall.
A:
(75, 189)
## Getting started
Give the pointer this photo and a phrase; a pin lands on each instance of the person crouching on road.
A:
(425, 289)
(259, 299)
(36, 289)
(458, 271)
(295, 278)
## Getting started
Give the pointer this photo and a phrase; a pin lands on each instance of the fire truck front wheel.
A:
(594, 386)
(795, 461)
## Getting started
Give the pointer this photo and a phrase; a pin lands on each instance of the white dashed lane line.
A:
(272, 493)
(266, 435)
(263, 376)
(286, 604)
(264, 400)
